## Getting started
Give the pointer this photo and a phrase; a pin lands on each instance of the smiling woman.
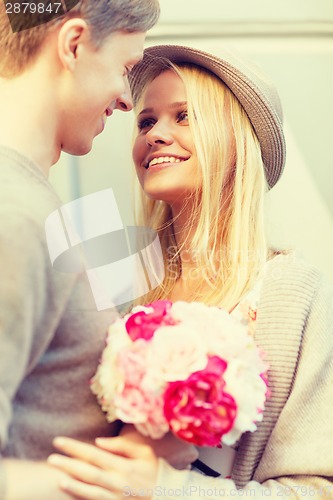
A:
(181, 199)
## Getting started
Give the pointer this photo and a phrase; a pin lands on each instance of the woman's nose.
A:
(159, 134)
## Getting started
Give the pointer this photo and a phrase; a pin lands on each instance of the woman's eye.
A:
(182, 116)
(145, 123)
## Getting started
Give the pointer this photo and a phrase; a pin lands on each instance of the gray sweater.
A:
(51, 334)
(291, 454)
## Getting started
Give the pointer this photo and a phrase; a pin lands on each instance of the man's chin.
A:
(77, 149)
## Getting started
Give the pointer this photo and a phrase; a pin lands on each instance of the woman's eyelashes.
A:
(146, 123)
(149, 122)
(182, 116)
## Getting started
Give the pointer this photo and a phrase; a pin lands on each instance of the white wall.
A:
(293, 41)
(189, 11)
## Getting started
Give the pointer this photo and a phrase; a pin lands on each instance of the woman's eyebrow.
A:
(171, 106)
(178, 104)
(145, 110)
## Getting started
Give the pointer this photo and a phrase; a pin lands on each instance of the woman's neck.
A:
(184, 233)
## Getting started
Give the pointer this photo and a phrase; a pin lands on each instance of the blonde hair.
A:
(18, 50)
(229, 241)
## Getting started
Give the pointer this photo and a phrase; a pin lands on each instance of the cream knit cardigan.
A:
(291, 453)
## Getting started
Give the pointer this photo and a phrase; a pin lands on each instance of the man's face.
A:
(96, 87)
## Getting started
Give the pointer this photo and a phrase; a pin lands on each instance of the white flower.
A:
(137, 309)
(244, 383)
(176, 352)
(109, 380)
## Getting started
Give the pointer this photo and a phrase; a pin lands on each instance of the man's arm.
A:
(22, 292)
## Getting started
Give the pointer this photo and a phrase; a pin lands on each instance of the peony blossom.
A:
(198, 409)
(144, 323)
(176, 352)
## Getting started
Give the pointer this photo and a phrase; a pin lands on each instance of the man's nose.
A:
(124, 102)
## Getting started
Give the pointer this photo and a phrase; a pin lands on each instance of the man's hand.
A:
(178, 453)
(105, 470)
(37, 480)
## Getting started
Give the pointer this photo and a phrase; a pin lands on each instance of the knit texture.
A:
(51, 335)
(292, 445)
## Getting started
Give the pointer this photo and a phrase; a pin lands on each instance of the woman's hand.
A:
(108, 471)
(178, 453)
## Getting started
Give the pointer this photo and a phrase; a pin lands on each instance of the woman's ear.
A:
(73, 34)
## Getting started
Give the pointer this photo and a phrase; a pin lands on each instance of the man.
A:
(59, 81)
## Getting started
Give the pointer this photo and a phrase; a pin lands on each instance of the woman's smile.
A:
(161, 162)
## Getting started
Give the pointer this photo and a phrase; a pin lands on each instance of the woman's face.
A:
(164, 153)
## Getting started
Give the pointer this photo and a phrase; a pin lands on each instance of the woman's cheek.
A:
(139, 155)
(139, 151)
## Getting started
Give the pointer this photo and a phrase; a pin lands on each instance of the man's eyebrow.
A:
(171, 106)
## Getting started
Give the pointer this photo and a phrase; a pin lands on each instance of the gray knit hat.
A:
(253, 89)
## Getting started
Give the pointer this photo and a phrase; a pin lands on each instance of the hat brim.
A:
(254, 91)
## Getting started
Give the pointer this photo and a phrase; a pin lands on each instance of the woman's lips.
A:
(163, 161)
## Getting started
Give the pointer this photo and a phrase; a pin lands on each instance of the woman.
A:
(209, 144)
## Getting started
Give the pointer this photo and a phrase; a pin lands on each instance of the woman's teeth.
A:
(164, 159)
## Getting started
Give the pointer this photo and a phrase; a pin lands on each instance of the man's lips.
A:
(159, 160)
(108, 112)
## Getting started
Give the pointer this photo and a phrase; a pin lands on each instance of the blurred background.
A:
(292, 40)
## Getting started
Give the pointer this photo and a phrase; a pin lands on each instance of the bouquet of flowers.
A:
(185, 367)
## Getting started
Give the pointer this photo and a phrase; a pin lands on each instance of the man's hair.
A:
(19, 49)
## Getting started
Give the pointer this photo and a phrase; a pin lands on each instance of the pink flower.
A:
(137, 402)
(142, 325)
(133, 362)
(198, 409)
(131, 405)
(155, 425)
(143, 409)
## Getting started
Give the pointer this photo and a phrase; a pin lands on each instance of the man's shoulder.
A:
(24, 190)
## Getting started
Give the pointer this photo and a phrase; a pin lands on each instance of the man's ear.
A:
(72, 34)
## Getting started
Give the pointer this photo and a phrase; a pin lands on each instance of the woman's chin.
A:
(175, 199)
